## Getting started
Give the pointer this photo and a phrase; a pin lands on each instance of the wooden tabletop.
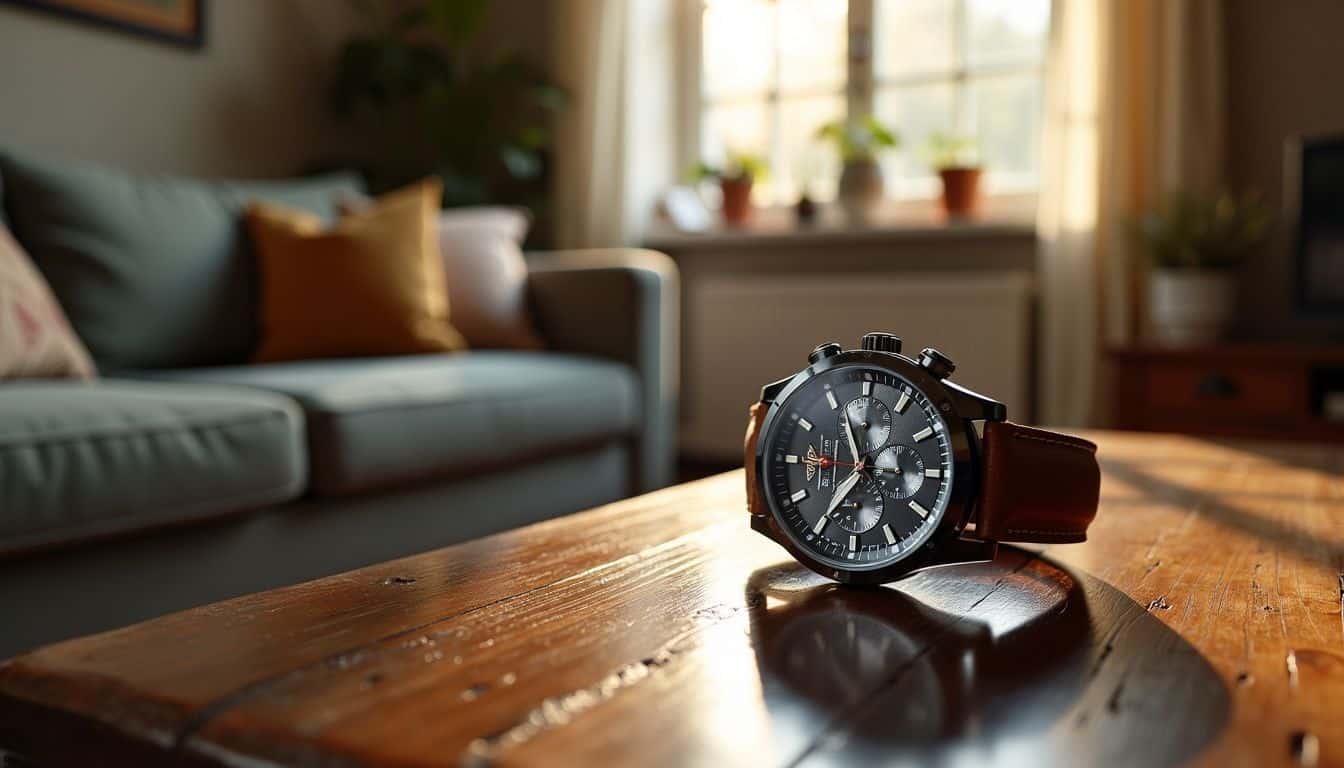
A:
(1201, 622)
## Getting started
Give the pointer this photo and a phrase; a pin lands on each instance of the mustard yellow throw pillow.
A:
(372, 284)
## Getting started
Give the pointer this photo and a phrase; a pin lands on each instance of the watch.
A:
(867, 465)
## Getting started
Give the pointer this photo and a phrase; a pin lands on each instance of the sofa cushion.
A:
(152, 271)
(35, 338)
(372, 284)
(381, 421)
(80, 460)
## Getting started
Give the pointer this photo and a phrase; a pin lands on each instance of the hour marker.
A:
(919, 510)
(853, 542)
(902, 402)
(820, 526)
(830, 398)
(891, 537)
(791, 459)
(927, 472)
(798, 495)
(921, 434)
(867, 388)
(805, 424)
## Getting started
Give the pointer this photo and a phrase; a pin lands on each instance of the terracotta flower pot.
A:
(961, 191)
(736, 200)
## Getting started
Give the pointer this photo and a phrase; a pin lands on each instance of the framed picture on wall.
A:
(175, 21)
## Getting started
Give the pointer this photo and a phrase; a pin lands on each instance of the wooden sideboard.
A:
(1268, 392)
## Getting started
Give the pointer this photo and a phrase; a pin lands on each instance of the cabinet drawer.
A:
(1203, 390)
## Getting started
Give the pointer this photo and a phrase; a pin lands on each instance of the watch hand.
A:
(841, 490)
(849, 436)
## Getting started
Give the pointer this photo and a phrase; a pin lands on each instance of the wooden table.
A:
(1200, 622)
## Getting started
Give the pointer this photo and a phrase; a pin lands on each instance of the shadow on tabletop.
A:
(979, 664)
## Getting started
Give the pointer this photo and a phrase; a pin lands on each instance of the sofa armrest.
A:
(620, 304)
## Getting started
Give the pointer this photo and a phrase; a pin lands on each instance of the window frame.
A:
(862, 84)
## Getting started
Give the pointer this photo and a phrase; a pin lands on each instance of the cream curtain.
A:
(1135, 97)
(615, 144)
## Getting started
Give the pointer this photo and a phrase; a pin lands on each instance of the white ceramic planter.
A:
(861, 189)
(1191, 306)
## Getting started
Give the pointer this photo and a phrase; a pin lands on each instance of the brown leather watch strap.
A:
(755, 505)
(1037, 485)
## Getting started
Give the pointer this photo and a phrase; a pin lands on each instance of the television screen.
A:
(1320, 233)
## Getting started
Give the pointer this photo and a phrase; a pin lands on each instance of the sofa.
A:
(185, 475)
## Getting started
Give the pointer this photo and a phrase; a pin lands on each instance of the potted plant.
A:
(1195, 245)
(859, 142)
(736, 177)
(426, 97)
(957, 160)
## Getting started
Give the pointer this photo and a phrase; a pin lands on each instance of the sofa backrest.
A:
(153, 271)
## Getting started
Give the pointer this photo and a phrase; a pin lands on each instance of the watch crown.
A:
(829, 349)
(881, 342)
(936, 363)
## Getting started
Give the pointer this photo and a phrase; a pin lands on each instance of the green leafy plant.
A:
(946, 151)
(1193, 232)
(859, 140)
(737, 166)
(435, 106)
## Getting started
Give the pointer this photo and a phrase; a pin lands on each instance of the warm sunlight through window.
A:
(773, 71)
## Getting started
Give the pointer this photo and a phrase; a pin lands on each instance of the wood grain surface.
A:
(1201, 623)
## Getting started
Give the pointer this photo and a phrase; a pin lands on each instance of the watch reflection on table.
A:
(910, 675)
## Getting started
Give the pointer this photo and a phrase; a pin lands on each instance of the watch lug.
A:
(759, 525)
(770, 391)
(975, 406)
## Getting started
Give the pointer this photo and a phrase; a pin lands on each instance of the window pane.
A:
(739, 40)
(1007, 112)
(736, 127)
(912, 37)
(812, 44)
(916, 112)
(804, 161)
(1007, 31)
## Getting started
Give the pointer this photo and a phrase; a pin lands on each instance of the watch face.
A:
(858, 466)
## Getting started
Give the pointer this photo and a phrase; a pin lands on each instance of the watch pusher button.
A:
(881, 342)
(829, 349)
(936, 363)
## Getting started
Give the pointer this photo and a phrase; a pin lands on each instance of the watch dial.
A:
(858, 467)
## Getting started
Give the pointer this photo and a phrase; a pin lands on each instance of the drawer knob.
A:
(1218, 385)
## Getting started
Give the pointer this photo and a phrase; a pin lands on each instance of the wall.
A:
(250, 103)
(1283, 61)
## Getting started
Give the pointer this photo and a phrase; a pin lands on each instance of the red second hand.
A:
(827, 461)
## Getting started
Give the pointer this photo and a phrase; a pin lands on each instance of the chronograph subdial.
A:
(899, 470)
(861, 508)
(870, 419)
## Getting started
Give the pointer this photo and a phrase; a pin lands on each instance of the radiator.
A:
(742, 332)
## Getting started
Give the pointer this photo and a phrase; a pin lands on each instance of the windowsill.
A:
(1000, 216)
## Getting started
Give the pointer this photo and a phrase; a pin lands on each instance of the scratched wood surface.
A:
(1200, 623)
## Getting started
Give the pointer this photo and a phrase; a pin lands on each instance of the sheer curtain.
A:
(1135, 96)
(616, 142)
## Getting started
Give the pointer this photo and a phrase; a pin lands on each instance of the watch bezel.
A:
(942, 546)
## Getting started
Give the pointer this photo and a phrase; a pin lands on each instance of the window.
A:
(772, 71)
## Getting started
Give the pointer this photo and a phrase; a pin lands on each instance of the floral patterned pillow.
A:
(35, 339)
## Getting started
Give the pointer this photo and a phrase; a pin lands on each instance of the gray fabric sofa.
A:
(185, 475)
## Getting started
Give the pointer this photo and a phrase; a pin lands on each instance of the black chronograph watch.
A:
(867, 465)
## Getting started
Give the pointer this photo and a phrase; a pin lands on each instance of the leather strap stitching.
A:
(1063, 441)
